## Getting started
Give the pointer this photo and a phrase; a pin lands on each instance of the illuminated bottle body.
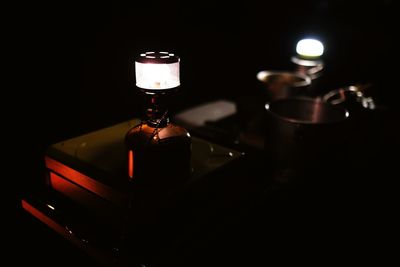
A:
(159, 156)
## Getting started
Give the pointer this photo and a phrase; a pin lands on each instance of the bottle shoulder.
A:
(145, 133)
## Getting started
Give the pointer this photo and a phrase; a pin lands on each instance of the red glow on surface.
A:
(102, 256)
(43, 218)
(76, 192)
(130, 164)
(62, 185)
(85, 182)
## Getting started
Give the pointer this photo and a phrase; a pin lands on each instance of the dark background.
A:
(74, 59)
(77, 56)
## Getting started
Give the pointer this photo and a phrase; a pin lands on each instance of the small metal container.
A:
(283, 84)
(351, 97)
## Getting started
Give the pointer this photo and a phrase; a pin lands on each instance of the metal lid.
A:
(157, 58)
(308, 62)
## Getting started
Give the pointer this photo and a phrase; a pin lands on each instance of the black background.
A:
(74, 59)
(77, 57)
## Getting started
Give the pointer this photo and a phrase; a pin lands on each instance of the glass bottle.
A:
(158, 151)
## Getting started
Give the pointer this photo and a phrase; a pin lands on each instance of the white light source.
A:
(157, 71)
(310, 48)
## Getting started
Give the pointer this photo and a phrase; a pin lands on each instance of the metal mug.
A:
(304, 133)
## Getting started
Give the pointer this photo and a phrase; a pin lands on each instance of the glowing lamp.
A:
(310, 48)
(308, 57)
(157, 75)
(157, 71)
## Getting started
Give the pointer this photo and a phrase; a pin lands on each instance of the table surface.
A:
(242, 213)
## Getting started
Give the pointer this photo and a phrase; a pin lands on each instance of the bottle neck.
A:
(156, 112)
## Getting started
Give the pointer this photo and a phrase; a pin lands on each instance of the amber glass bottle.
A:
(158, 151)
(158, 155)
